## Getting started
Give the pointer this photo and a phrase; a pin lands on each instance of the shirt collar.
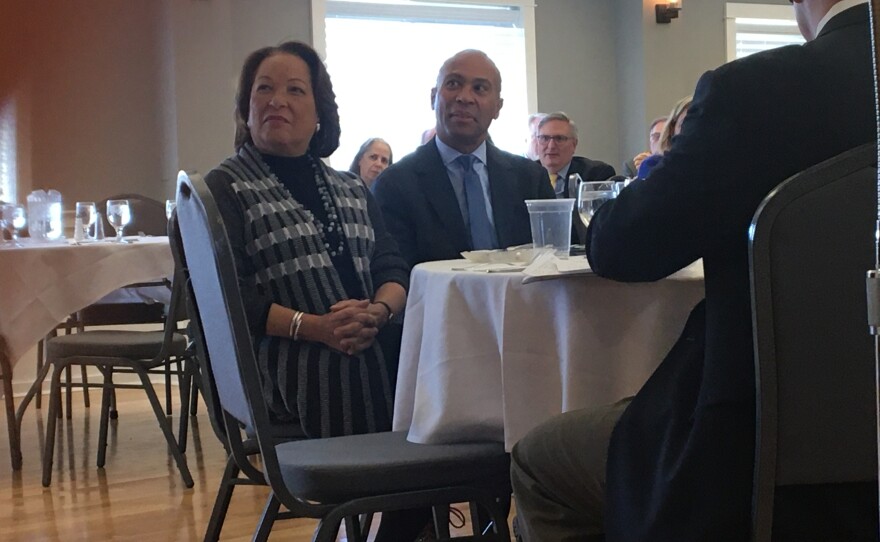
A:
(843, 5)
(448, 154)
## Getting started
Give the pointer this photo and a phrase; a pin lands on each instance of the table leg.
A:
(11, 420)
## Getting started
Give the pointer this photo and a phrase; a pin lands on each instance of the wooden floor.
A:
(138, 495)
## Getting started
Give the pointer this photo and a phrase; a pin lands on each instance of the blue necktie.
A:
(482, 232)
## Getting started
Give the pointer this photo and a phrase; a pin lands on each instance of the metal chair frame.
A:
(227, 338)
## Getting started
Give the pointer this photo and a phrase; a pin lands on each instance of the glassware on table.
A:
(119, 215)
(5, 225)
(551, 224)
(86, 217)
(170, 205)
(19, 219)
(12, 220)
(45, 212)
(574, 181)
(591, 196)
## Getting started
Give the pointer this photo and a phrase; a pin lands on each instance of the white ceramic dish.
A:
(512, 255)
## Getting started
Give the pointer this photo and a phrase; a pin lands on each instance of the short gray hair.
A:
(559, 115)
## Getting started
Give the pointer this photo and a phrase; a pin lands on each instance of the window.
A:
(383, 57)
(8, 169)
(758, 27)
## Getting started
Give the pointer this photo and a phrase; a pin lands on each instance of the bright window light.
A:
(383, 58)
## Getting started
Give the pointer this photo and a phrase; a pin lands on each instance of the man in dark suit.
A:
(459, 192)
(557, 142)
(681, 454)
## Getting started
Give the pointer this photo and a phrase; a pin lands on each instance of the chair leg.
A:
(68, 375)
(353, 529)
(168, 410)
(106, 393)
(114, 414)
(40, 362)
(267, 520)
(440, 514)
(166, 428)
(52, 420)
(184, 383)
(35, 390)
(221, 503)
(11, 421)
(194, 396)
(85, 380)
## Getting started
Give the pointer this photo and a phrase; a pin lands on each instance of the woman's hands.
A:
(351, 326)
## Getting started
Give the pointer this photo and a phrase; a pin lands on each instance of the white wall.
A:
(577, 70)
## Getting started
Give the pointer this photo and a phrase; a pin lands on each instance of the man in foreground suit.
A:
(459, 192)
(681, 454)
(557, 143)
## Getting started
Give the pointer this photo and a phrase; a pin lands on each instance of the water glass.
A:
(170, 205)
(12, 220)
(591, 196)
(119, 215)
(86, 217)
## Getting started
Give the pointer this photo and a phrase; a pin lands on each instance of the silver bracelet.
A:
(295, 321)
(299, 320)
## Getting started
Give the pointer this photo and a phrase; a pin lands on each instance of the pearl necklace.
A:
(333, 224)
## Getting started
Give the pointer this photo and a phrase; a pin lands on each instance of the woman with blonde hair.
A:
(674, 122)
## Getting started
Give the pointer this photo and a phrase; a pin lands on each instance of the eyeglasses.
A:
(655, 136)
(559, 139)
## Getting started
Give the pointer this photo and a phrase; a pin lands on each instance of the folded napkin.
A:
(549, 266)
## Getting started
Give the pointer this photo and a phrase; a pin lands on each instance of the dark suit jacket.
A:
(422, 212)
(589, 170)
(681, 457)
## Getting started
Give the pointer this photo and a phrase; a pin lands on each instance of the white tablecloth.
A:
(41, 284)
(485, 357)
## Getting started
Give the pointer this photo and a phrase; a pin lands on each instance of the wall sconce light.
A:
(666, 12)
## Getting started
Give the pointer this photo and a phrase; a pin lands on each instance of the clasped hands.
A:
(351, 325)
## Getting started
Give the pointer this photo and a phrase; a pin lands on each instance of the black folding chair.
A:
(812, 240)
(333, 479)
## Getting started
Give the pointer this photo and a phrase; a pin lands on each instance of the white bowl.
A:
(514, 255)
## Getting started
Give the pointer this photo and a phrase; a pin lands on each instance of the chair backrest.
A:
(811, 242)
(147, 215)
(214, 283)
(225, 426)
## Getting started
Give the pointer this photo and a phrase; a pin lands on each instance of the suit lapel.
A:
(440, 195)
(504, 193)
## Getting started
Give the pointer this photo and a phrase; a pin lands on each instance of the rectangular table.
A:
(486, 357)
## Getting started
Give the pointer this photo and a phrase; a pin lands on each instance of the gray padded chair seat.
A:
(113, 343)
(344, 468)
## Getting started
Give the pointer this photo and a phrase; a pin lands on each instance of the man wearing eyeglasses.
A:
(557, 141)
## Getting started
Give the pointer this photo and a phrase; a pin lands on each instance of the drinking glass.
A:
(13, 219)
(119, 215)
(86, 216)
(591, 196)
(19, 219)
(170, 204)
(5, 226)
